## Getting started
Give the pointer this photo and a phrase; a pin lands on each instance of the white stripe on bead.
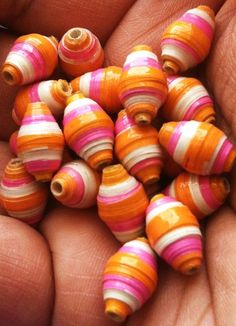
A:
(160, 209)
(119, 188)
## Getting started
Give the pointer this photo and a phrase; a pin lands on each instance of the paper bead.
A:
(173, 232)
(170, 168)
(130, 278)
(40, 142)
(101, 86)
(20, 195)
(80, 51)
(187, 100)
(138, 149)
(187, 41)
(143, 87)
(76, 185)
(199, 147)
(52, 92)
(122, 202)
(33, 57)
(89, 131)
(202, 194)
(13, 142)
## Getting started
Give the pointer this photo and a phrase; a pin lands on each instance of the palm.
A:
(57, 277)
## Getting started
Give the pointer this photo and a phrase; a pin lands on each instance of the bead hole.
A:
(57, 188)
(75, 33)
(8, 77)
(15, 162)
(114, 316)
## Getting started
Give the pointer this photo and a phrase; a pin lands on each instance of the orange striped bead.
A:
(13, 142)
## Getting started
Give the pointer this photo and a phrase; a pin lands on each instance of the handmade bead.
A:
(199, 147)
(76, 185)
(143, 87)
(187, 100)
(173, 232)
(89, 131)
(33, 57)
(137, 148)
(21, 195)
(187, 41)
(122, 202)
(80, 51)
(101, 86)
(40, 142)
(52, 92)
(130, 278)
(202, 194)
(13, 142)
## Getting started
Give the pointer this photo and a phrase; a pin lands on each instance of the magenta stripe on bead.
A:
(33, 93)
(78, 55)
(145, 163)
(206, 191)
(194, 107)
(199, 22)
(222, 156)
(95, 84)
(29, 120)
(145, 256)
(131, 224)
(17, 182)
(79, 191)
(42, 165)
(183, 46)
(175, 137)
(124, 123)
(142, 62)
(117, 198)
(170, 79)
(77, 113)
(160, 202)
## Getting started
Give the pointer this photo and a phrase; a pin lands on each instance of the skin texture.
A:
(52, 275)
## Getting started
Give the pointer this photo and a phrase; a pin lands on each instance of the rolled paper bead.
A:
(130, 278)
(13, 142)
(101, 86)
(143, 86)
(122, 202)
(76, 185)
(174, 233)
(33, 57)
(171, 169)
(187, 41)
(21, 195)
(202, 194)
(187, 99)
(89, 131)
(80, 51)
(40, 142)
(137, 149)
(199, 147)
(52, 92)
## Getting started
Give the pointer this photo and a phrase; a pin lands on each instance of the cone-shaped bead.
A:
(13, 142)
(143, 86)
(173, 232)
(137, 149)
(199, 147)
(129, 280)
(122, 203)
(187, 41)
(40, 142)
(21, 195)
(33, 57)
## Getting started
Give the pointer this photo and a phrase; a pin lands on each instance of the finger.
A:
(5, 155)
(80, 246)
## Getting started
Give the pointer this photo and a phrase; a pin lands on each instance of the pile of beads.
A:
(106, 117)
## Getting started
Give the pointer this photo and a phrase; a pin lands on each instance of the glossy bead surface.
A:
(89, 131)
(101, 86)
(143, 86)
(199, 147)
(187, 41)
(33, 57)
(130, 278)
(173, 232)
(21, 195)
(187, 99)
(40, 142)
(137, 149)
(80, 51)
(52, 92)
(13, 142)
(122, 202)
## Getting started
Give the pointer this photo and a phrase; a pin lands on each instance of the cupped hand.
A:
(54, 276)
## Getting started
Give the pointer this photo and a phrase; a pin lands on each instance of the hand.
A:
(53, 276)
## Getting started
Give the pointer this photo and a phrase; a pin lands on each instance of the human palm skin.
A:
(53, 275)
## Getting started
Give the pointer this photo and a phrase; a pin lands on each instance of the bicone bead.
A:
(33, 57)
(122, 202)
(101, 86)
(143, 86)
(199, 147)
(21, 195)
(187, 41)
(40, 142)
(173, 232)
(202, 194)
(13, 142)
(76, 185)
(130, 278)
(54, 93)
(187, 100)
(89, 131)
(137, 148)
(80, 51)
